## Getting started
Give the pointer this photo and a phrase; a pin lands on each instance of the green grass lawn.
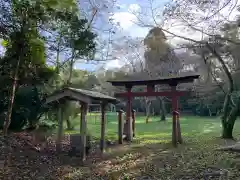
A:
(155, 130)
(152, 154)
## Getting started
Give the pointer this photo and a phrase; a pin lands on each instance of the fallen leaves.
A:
(141, 161)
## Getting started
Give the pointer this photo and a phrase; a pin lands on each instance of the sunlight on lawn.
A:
(152, 150)
(155, 130)
(154, 141)
(155, 135)
(208, 129)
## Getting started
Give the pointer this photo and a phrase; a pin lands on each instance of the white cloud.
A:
(121, 6)
(138, 32)
(183, 30)
(134, 8)
(124, 19)
(113, 64)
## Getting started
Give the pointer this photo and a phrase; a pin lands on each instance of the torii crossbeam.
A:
(151, 83)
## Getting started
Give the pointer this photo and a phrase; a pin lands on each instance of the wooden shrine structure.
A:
(85, 98)
(173, 82)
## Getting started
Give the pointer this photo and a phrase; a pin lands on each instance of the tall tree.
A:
(80, 42)
(21, 22)
(160, 60)
(218, 52)
(206, 18)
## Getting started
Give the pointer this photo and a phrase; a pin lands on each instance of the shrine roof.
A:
(138, 81)
(90, 97)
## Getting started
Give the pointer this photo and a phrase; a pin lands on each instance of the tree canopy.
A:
(29, 30)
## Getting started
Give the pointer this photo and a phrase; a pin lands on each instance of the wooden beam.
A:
(148, 94)
(103, 126)
(56, 97)
(168, 80)
(83, 130)
(60, 128)
(120, 127)
(79, 97)
(68, 93)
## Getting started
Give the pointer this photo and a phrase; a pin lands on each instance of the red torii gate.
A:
(172, 82)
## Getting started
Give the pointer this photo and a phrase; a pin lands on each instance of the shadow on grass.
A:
(144, 157)
(122, 158)
(162, 160)
(152, 154)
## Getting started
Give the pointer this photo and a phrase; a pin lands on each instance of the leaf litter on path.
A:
(152, 161)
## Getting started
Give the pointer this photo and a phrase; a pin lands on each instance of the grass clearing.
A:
(190, 125)
(151, 155)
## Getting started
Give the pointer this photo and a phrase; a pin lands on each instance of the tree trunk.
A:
(163, 117)
(227, 132)
(148, 105)
(7, 121)
(70, 70)
(162, 109)
(229, 121)
(67, 114)
(230, 112)
(69, 125)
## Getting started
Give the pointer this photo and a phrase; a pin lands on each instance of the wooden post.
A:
(120, 127)
(60, 129)
(179, 135)
(128, 115)
(83, 130)
(103, 126)
(174, 122)
(133, 121)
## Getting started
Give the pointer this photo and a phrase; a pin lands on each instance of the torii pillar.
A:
(176, 129)
(128, 114)
(172, 82)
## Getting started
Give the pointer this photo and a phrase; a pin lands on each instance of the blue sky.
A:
(123, 14)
